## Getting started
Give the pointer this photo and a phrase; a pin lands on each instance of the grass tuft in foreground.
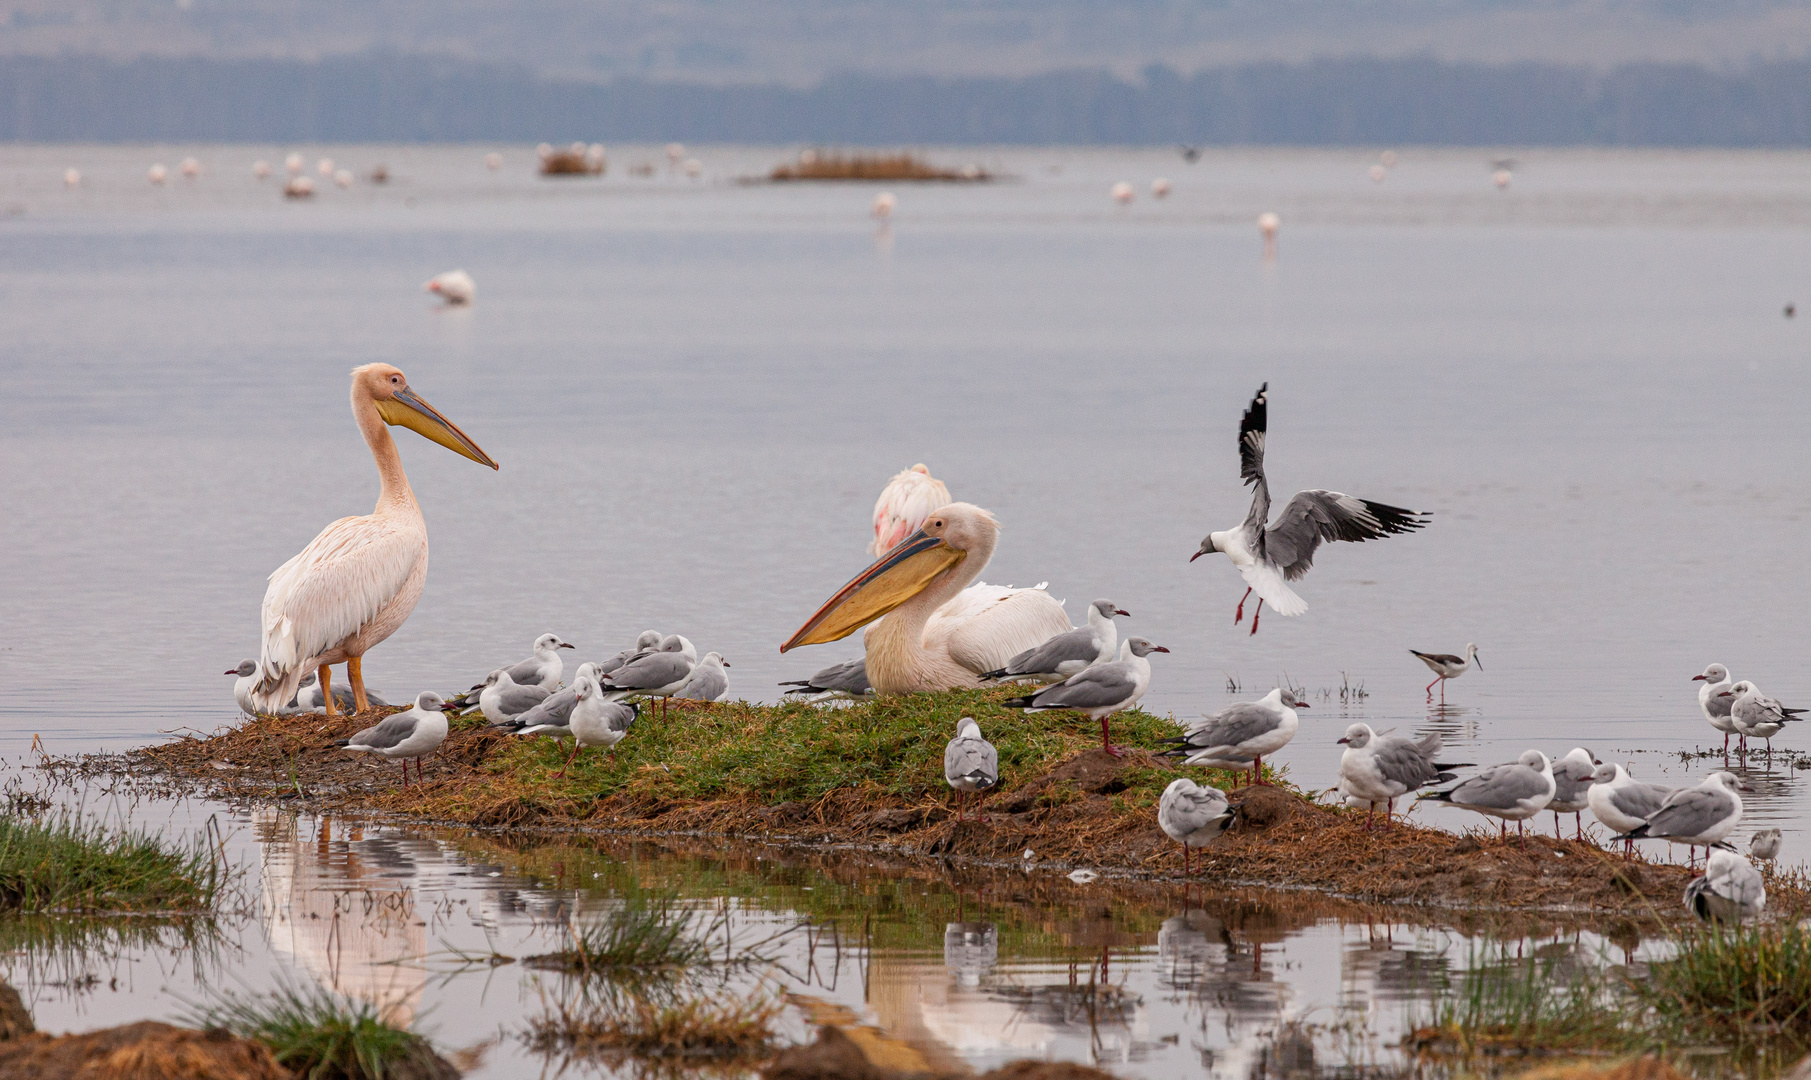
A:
(1736, 984)
(1511, 1006)
(647, 938)
(319, 1035)
(65, 864)
(711, 1027)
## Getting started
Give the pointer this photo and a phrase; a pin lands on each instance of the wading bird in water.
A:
(356, 582)
(1271, 557)
(922, 641)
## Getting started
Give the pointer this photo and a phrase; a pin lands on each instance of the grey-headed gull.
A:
(1241, 735)
(1515, 791)
(1756, 715)
(1572, 779)
(406, 736)
(1066, 654)
(645, 642)
(1381, 768)
(970, 763)
(553, 714)
(1731, 890)
(1447, 666)
(848, 679)
(247, 673)
(660, 673)
(309, 698)
(543, 668)
(501, 700)
(708, 681)
(1271, 557)
(1194, 816)
(1099, 691)
(1622, 802)
(1699, 816)
(1712, 702)
(593, 720)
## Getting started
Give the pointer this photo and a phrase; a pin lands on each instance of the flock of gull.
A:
(931, 624)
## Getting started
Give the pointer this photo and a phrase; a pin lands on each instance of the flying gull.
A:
(1271, 557)
(1099, 691)
(1066, 654)
(970, 763)
(1193, 816)
(1515, 791)
(405, 736)
(1241, 735)
(1382, 768)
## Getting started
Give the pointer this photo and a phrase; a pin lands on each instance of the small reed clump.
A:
(66, 864)
(815, 166)
(710, 1027)
(319, 1035)
(1508, 1006)
(1736, 983)
(644, 938)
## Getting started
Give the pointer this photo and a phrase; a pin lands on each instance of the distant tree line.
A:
(1358, 101)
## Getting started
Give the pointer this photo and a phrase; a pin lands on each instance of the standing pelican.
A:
(917, 646)
(903, 505)
(356, 582)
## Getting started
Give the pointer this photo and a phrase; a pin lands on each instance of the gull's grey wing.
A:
(1406, 763)
(515, 700)
(391, 732)
(707, 683)
(848, 677)
(965, 757)
(607, 666)
(1500, 787)
(1078, 644)
(1096, 688)
(1689, 812)
(619, 715)
(1639, 800)
(1314, 516)
(1717, 705)
(526, 671)
(1252, 428)
(1234, 725)
(556, 709)
(651, 672)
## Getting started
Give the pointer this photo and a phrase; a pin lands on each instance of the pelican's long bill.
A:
(407, 409)
(894, 578)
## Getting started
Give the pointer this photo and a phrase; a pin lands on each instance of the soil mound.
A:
(146, 1050)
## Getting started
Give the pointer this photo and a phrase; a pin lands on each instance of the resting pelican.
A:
(922, 644)
(356, 582)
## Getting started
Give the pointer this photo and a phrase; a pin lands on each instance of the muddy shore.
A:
(1072, 807)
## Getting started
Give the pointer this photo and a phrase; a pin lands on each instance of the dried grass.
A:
(895, 167)
(716, 1027)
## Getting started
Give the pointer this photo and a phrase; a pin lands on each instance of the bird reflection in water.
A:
(970, 950)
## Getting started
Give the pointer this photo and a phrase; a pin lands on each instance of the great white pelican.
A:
(356, 582)
(924, 641)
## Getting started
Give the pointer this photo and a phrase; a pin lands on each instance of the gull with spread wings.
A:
(1269, 557)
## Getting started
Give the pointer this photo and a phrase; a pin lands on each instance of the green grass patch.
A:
(1736, 984)
(1512, 1006)
(319, 1035)
(63, 863)
(647, 937)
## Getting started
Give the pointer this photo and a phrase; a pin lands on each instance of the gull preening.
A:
(1241, 735)
(1515, 791)
(1714, 703)
(922, 640)
(1194, 815)
(1099, 691)
(708, 681)
(357, 582)
(406, 736)
(1757, 716)
(1622, 802)
(1066, 654)
(1731, 890)
(645, 642)
(1573, 776)
(1698, 817)
(1447, 666)
(456, 287)
(1382, 768)
(1269, 557)
(848, 679)
(970, 763)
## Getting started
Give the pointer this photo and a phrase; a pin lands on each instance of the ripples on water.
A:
(697, 389)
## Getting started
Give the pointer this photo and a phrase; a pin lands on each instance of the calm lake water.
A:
(696, 388)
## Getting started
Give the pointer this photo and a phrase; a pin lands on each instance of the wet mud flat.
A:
(870, 778)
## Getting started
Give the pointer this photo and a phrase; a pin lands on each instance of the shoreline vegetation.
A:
(61, 864)
(896, 167)
(869, 775)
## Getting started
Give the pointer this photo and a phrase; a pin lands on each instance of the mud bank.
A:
(871, 777)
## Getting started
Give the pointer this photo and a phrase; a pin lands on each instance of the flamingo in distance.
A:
(923, 641)
(456, 287)
(1271, 556)
(357, 582)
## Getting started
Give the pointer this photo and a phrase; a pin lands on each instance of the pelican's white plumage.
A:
(903, 505)
(356, 582)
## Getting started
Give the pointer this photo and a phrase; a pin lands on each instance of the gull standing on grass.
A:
(1241, 735)
(1731, 890)
(1447, 666)
(1382, 768)
(1270, 558)
(1699, 816)
(1099, 691)
(970, 763)
(1621, 802)
(1515, 791)
(1714, 704)
(848, 679)
(660, 673)
(545, 667)
(1756, 715)
(501, 700)
(1194, 816)
(708, 681)
(1572, 779)
(594, 721)
(1066, 654)
(406, 736)
(553, 716)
